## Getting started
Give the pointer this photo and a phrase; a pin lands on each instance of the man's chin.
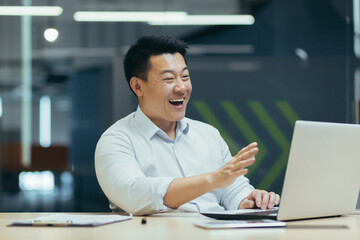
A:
(178, 117)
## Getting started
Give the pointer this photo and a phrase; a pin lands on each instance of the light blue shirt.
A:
(136, 161)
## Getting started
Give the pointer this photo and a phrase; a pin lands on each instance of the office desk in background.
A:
(179, 226)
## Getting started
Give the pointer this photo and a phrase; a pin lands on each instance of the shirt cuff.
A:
(159, 194)
(235, 203)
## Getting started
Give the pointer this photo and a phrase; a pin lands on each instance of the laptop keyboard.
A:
(265, 212)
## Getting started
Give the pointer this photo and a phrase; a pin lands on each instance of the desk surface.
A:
(178, 226)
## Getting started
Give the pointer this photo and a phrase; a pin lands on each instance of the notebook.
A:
(71, 220)
(322, 175)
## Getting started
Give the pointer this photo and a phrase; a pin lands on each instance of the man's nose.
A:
(180, 85)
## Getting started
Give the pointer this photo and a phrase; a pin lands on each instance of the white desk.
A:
(177, 226)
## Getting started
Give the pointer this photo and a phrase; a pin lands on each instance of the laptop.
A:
(322, 177)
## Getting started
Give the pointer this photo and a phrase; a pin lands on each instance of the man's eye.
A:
(185, 76)
(168, 79)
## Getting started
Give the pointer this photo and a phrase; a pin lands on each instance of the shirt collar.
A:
(150, 129)
(183, 125)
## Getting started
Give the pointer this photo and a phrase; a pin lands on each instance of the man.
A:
(156, 159)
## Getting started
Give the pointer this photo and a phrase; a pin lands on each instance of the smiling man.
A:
(156, 159)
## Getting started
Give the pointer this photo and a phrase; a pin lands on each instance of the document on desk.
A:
(226, 224)
(69, 220)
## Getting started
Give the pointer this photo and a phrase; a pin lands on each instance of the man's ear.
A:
(136, 86)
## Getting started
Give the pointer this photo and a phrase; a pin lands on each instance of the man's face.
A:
(167, 90)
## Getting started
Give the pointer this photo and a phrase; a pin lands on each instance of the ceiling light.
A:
(45, 121)
(208, 20)
(30, 11)
(302, 54)
(125, 16)
(51, 34)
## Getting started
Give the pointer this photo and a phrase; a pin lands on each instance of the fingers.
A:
(277, 199)
(271, 202)
(259, 198)
(235, 167)
(246, 149)
(245, 159)
(250, 153)
(238, 164)
(247, 204)
(264, 199)
(242, 171)
(274, 199)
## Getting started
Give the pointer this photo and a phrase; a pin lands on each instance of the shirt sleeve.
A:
(232, 195)
(123, 181)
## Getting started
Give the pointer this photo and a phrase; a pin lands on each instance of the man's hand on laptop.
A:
(260, 199)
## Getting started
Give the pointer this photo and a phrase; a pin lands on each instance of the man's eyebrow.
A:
(172, 71)
(167, 71)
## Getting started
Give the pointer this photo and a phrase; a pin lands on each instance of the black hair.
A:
(136, 61)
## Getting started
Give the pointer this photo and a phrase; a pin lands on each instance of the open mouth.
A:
(177, 102)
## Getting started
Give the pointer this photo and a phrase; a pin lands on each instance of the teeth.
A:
(176, 100)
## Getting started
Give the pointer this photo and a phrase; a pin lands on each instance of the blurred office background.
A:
(255, 70)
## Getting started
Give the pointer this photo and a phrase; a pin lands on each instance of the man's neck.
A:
(168, 127)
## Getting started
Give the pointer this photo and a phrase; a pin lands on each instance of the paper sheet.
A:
(64, 219)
